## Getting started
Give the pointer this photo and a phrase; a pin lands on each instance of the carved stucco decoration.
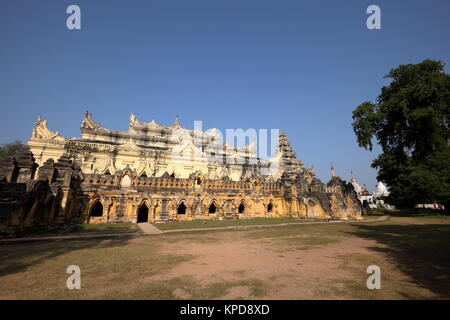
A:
(41, 131)
(89, 123)
(103, 165)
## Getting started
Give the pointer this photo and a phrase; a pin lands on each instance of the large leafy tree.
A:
(410, 121)
(12, 149)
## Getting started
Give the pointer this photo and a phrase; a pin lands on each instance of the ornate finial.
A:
(177, 122)
(88, 123)
(332, 170)
(132, 119)
(39, 120)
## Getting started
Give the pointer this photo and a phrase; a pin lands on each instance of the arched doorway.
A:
(212, 208)
(97, 209)
(181, 208)
(241, 208)
(142, 213)
(270, 207)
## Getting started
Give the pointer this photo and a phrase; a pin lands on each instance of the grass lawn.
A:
(323, 261)
(215, 223)
(107, 228)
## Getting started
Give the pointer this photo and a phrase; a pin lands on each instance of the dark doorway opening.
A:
(97, 209)
(181, 208)
(241, 208)
(270, 207)
(212, 208)
(142, 213)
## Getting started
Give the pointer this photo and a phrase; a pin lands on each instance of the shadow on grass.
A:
(18, 257)
(420, 251)
(411, 212)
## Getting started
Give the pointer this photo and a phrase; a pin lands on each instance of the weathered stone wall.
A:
(160, 173)
(27, 199)
(60, 192)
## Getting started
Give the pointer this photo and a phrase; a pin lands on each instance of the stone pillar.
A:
(106, 207)
(47, 171)
(67, 175)
(9, 169)
(27, 167)
(164, 214)
(294, 201)
(64, 169)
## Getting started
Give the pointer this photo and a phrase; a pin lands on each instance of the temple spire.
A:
(176, 123)
(39, 120)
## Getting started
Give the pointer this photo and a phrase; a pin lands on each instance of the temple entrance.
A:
(181, 208)
(97, 209)
(270, 207)
(212, 208)
(142, 213)
(241, 208)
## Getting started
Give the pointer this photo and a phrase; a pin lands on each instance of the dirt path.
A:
(148, 228)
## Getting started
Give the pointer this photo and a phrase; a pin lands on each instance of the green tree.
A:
(410, 121)
(12, 149)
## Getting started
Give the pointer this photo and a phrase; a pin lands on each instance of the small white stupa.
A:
(381, 190)
(358, 189)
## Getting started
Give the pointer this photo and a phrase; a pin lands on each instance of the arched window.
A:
(107, 172)
(142, 213)
(198, 181)
(97, 209)
(143, 174)
(212, 208)
(241, 208)
(181, 208)
(270, 207)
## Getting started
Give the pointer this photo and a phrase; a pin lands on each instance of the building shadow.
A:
(420, 251)
(17, 257)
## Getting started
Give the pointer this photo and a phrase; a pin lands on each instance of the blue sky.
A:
(300, 66)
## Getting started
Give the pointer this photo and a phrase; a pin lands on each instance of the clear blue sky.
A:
(301, 66)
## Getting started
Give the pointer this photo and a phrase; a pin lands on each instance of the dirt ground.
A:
(292, 262)
(292, 274)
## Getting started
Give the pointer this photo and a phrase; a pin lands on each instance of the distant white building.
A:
(380, 190)
(374, 200)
